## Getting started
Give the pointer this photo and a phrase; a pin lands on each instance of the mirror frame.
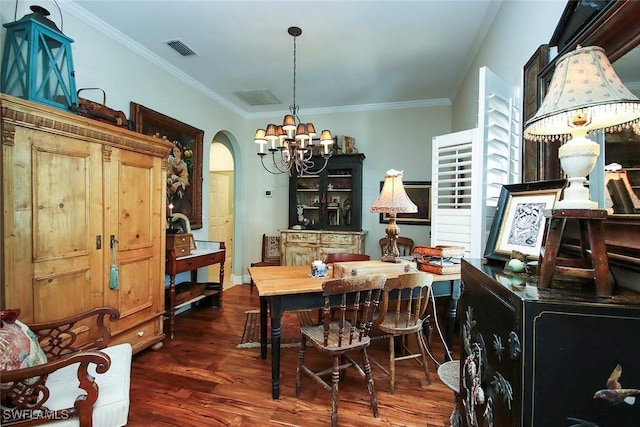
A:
(615, 28)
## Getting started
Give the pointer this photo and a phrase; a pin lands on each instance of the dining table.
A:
(289, 288)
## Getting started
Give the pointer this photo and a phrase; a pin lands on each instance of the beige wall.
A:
(399, 139)
(519, 28)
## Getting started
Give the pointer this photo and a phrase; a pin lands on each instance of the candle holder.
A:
(170, 228)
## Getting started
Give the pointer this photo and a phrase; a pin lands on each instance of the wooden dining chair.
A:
(329, 259)
(402, 311)
(405, 245)
(356, 299)
(270, 253)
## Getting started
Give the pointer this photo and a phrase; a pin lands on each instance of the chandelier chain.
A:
(294, 107)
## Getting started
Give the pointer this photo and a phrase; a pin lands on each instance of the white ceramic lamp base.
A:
(577, 158)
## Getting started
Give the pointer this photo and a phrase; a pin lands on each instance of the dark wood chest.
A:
(537, 357)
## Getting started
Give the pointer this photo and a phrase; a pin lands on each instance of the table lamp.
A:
(585, 94)
(393, 199)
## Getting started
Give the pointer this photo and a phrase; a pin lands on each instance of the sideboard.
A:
(302, 247)
(537, 357)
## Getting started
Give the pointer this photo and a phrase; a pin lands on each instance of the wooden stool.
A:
(449, 373)
(594, 265)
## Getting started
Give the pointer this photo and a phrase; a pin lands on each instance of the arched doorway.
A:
(221, 202)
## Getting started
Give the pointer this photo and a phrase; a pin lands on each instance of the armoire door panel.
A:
(61, 202)
(135, 290)
(57, 218)
(51, 294)
(135, 201)
(135, 192)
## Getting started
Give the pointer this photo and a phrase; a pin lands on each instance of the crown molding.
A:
(101, 26)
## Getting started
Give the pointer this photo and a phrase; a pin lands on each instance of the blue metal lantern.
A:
(37, 64)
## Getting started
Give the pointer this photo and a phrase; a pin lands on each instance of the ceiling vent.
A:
(257, 97)
(180, 47)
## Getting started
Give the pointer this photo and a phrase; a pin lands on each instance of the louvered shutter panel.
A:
(499, 126)
(470, 167)
(457, 189)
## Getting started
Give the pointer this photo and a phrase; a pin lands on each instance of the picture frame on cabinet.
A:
(519, 222)
(420, 194)
(184, 189)
(318, 149)
(349, 145)
(337, 146)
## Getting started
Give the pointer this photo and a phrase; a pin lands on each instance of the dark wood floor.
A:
(200, 378)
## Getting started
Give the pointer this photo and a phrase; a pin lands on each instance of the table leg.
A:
(451, 326)
(276, 317)
(263, 328)
(221, 284)
(452, 313)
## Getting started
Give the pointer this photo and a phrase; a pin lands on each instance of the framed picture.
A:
(519, 221)
(420, 193)
(349, 145)
(184, 163)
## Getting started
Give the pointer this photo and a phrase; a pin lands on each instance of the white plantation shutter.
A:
(457, 187)
(499, 125)
(470, 167)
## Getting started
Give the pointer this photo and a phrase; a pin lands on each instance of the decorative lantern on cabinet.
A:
(37, 64)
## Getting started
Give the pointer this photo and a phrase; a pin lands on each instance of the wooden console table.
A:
(208, 253)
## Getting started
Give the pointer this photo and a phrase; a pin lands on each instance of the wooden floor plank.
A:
(200, 379)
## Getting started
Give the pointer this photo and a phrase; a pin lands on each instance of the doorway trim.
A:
(230, 142)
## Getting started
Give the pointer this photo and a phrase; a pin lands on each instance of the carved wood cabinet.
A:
(83, 202)
(302, 247)
(537, 357)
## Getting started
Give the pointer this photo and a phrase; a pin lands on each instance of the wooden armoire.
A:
(83, 202)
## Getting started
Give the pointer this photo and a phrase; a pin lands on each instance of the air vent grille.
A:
(180, 47)
(257, 97)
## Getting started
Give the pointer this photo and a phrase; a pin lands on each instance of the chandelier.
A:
(291, 143)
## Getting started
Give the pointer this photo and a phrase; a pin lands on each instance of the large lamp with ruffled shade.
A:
(585, 95)
(393, 200)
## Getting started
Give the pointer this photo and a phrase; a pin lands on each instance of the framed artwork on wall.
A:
(420, 193)
(519, 222)
(184, 163)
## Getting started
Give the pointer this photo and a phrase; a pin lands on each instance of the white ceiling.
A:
(358, 54)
